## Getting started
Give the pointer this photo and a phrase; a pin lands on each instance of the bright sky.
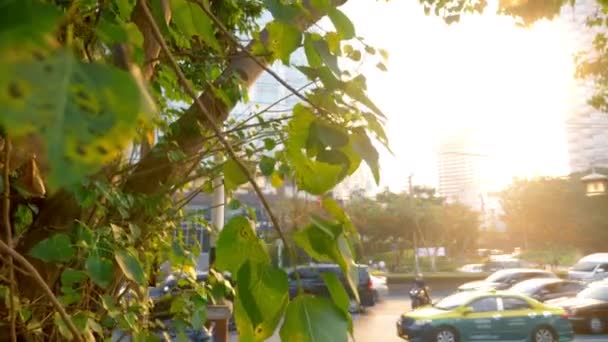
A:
(510, 84)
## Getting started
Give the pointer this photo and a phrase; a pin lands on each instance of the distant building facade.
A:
(460, 169)
(586, 127)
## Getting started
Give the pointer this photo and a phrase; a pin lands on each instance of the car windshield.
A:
(587, 266)
(453, 301)
(595, 292)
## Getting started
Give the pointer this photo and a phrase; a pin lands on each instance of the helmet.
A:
(419, 279)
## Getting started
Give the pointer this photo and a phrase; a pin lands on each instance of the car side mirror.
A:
(467, 310)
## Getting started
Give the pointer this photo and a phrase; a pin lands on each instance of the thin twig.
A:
(4, 248)
(9, 237)
(271, 72)
(212, 122)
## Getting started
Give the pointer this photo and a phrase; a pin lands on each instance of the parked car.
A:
(471, 268)
(501, 264)
(379, 287)
(588, 310)
(312, 282)
(543, 289)
(504, 279)
(486, 316)
(590, 268)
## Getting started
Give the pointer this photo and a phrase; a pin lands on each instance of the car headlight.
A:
(420, 322)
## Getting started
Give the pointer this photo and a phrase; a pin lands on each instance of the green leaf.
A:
(57, 248)
(199, 317)
(313, 57)
(193, 21)
(70, 276)
(238, 243)
(283, 12)
(328, 58)
(233, 175)
(267, 165)
(325, 241)
(100, 270)
(269, 144)
(363, 145)
(381, 66)
(329, 134)
(23, 218)
(383, 53)
(356, 90)
(342, 24)
(314, 319)
(283, 39)
(276, 180)
(234, 204)
(338, 295)
(130, 266)
(85, 113)
(333, 208)
(23, 21)
(125, 7)
(313, 176)
(62, 327)
(262, 295)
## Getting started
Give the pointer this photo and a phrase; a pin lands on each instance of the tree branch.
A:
(212, 122)
(47, 290)
(9, 236)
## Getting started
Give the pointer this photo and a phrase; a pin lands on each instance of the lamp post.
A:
(595, 184)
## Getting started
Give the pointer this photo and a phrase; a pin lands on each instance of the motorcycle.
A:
(419, 296)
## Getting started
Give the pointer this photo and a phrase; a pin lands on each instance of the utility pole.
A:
(217, 210)
(414, 236)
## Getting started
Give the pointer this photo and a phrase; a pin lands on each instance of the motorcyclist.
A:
(420, 294)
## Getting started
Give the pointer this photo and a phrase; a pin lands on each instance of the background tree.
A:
(554, 213)
(390, 221)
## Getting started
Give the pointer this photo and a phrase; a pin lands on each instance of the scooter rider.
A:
(420, 294)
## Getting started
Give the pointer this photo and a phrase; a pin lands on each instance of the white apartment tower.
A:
(460, 169)
(586, 127)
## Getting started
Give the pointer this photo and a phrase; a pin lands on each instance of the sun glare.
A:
(510, 84)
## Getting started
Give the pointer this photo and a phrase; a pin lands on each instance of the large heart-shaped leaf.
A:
(262, 294)
(314, 319)
(85, 113)
(238, 243)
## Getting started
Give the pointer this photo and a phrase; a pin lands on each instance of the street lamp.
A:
(595, 183)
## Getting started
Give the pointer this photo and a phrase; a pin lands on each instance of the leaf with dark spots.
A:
(82, 106)
(14, 90)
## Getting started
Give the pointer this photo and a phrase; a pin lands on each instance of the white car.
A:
(471, 268)
(590, 268)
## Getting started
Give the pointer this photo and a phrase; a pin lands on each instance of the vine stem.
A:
(212, 122)
(9, 236)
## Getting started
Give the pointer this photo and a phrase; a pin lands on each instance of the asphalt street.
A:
(377, 324)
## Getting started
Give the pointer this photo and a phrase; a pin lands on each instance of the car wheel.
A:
(446, 335)
(544, 334)
(596, 325)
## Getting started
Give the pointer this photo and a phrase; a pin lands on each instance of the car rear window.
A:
(595, 292)
(587, 266)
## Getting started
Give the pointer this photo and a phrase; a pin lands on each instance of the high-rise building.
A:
(586, 127)
(460, 169)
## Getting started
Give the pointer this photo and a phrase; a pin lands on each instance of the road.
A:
(378, 323)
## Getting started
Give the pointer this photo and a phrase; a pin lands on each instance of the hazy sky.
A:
(511, 85)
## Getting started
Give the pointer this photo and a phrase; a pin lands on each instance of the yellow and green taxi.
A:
(485, 316)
